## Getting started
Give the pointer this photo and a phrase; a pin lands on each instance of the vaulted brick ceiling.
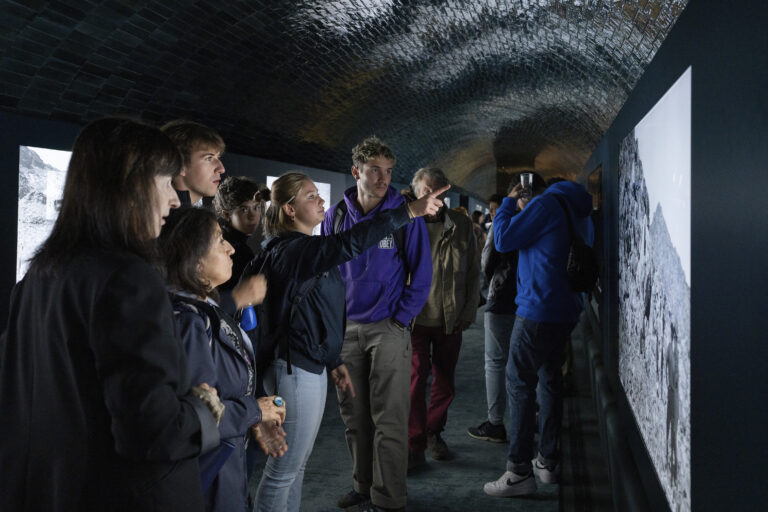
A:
(470, 85)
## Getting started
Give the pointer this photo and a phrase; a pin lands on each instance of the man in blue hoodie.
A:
(386, 287)
(547, 311)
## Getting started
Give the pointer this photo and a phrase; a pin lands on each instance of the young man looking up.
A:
(201, 148)
(386, 287)
(450, 309)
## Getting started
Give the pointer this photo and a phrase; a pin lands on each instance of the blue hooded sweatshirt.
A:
(375, 280)
(540, 232)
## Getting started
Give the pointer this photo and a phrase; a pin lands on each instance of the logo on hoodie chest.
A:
(388, 242)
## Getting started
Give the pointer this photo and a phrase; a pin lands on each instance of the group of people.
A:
(133, 381)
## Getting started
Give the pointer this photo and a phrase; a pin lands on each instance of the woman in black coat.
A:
(94, 390)
(198, 259)
(304, 307)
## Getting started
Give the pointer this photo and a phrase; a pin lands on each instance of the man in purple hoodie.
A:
(386, 287)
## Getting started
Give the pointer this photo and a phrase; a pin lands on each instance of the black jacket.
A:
(243, 255)
(93, 393)
(501, 271)
(316, 333)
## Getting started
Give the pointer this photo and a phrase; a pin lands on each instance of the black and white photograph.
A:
(41, 182)
(655, 285)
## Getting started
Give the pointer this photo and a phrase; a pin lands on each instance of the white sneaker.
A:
(511, 484)
(546, 474)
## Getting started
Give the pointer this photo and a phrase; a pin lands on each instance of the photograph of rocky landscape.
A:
(654, 285)
(41, 182)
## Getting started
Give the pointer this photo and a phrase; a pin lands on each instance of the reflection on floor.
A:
(457, 485)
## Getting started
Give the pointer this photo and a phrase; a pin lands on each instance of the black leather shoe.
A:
(352, 498)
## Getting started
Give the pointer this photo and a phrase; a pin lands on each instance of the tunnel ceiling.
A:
(471, 86)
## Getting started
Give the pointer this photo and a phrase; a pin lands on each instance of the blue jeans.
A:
(304, 394)
(536, 352)
(498, 329)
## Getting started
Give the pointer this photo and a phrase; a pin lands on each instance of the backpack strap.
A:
(205, 310)
(338, 216)
(574, 235)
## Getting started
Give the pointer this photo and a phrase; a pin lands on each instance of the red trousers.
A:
(439, 352)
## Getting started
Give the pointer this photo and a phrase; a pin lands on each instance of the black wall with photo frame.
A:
(725, 46)
(18, 131)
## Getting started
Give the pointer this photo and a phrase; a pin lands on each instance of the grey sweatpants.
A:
(378, 357)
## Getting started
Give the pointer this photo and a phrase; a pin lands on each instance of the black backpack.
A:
(274, 339)
(583, 269)
(398, 236)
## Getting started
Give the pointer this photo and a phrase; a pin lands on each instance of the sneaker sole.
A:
(521, 488)
(486, 438)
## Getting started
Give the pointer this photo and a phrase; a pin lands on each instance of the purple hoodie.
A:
(375, 280)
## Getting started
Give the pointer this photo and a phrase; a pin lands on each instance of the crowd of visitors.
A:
(172, 355)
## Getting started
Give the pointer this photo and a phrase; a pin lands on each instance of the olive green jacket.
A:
(456, 257)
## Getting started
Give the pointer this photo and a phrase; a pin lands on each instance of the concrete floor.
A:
(455, 485)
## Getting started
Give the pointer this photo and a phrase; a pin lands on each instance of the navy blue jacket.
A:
(215, 358)
(316, 333)
(540, 232)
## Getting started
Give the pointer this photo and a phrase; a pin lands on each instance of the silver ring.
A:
(278, 401)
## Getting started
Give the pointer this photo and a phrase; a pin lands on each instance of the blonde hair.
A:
(284, 190)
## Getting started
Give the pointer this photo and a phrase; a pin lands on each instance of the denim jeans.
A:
(536, 352)
(304, 394)
(498, 329)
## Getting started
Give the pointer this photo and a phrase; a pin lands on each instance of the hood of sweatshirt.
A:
(575, 195)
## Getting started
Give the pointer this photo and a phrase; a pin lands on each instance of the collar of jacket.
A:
(271, 241)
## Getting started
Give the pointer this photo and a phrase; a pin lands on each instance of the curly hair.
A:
(235, 190)
(370, 148)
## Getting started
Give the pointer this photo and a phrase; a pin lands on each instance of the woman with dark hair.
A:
(197, 260)
(304, 305)
(94, 388)
(239, 205)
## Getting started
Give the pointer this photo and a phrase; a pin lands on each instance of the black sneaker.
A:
(487, 431)
(352, 498)
(437, 447)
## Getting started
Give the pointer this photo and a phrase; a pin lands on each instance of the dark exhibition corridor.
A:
(659, 108)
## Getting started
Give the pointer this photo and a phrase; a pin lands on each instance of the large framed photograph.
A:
(655, 285)
(41, 183)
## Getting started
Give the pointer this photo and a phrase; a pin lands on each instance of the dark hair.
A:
(234, 191)
(539, 185)
(190, 136)
(496, 198)
(476, 216)
(108, 193)
(184, 241)
(371, 148)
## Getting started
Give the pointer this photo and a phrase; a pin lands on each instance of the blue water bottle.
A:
(248, 321)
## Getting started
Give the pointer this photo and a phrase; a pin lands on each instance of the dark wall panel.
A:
(726, 46)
